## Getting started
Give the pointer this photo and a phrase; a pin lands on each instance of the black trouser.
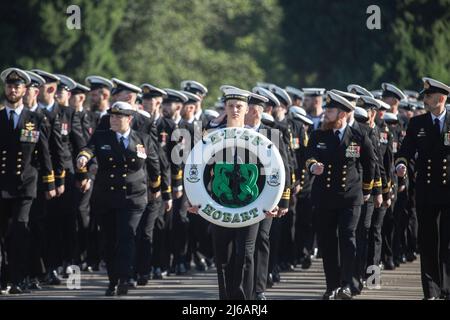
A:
(83, 217)
(262, 254)
(338, 244)
(375, 239)
(275, 240)
(362, 241)
(144, 238)
(234, 253)
(38, 235)
(387, 235)
(287, 241)
(411, 231)
(401, 220)
(199, 239)
(61, 227)
(304, 232)
(119, 226)
(14, 234)
(434, 242)
(179, 227)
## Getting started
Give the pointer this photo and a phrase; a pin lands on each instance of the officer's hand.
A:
(401, 188)
(154, 196)
(168, 205)
(82, 162)
(60, 191)
(387, 203)
(378, 201)
(85, 185)
(50, 194)
(366, 197)
(297, 189)
(282, 212)
(317, 169)
(272, 214)
(177, 194)
(193, 209)
(401, 170)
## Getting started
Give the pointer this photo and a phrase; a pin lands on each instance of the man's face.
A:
(390, 101)
(279, 111)
(188, 111)
(316, 102)
(333, 118)
(125, 96)
(30, 96)
(381, 113)
(14, 92)
(62, 96)
(47, 92)
(120, 123)
(432, 102)
(254, 111)
(236, 109)
(151, 105)
(76, 100)
(95, 97)
(297, 102)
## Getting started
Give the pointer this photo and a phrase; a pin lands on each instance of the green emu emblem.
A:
(235, 184)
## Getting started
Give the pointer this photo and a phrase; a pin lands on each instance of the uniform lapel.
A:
(23, 117)
(115, 144)
(132, 142)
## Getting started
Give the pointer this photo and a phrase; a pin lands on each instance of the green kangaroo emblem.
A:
(235, 185)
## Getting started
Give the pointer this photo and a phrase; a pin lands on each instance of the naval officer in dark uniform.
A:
(127, 170)
(335, 154)
(427, 140)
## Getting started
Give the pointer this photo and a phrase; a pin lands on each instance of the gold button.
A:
(328, 186)
(344, 179)
(329, 172)
(344, 172)
(302, 183)
(124, 175)
(114, 166)
(429, 174)
(428, 181)
(343, 186)
(133, 160)
(3, 172)
(444, 167)
(3, 165)
(124, 187)
(328, 179)
(303, 177)
(444, 174)
(3, 158)
(110, 159)
(444, 181)
(18, 173)
(111, 176)
(19, 160)
(3, 152)
(125, 166)
(444, 161)
(19, 166)
(19, 153)
(344, 167)
(112, 188)
(303, 171)
(429, 160)
(329, 166)
(428, 167)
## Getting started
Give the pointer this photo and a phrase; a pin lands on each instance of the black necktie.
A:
(122, 143)
(437, 126)
(337, 133)
(11, 120)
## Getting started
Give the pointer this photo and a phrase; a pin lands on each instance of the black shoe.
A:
(142, 280)
(389, 265)
(410, 257)
(180, 269)
(261, 296)
(111, 291)
(132, 283)
(122, 289)
(276, 277)
(201, 266)
(306, 263)
(344, 294)
(329, 295)
(269, 281)
(53, 279)
(210, 262)
(157, 274)
(15, 289)
(34, 285)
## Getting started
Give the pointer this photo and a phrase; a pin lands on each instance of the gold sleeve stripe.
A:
(157, 183)
(401, 160)
(286, 194)
(377, 183)
(178, 176)
(368, 186)
(85, 154)
(169, 190)
(62, 175)
(83, 170)
(48, 179)
(309, 162)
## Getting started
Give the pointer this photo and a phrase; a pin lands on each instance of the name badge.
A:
(141, 151)
(353, 151)
(383, 137)
(322, 146)
(105, 147)
(31, 136)
(421, 133)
